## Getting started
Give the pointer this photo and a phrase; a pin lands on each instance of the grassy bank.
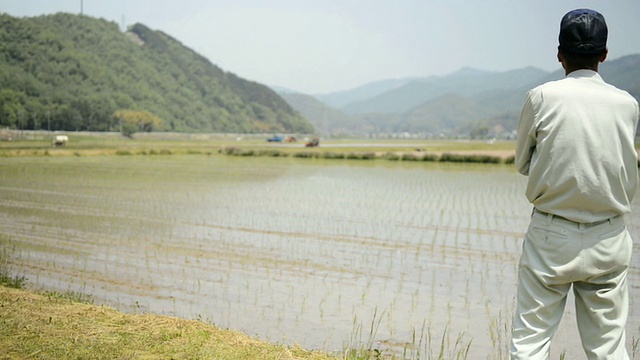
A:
(52, 325)
(46, 325)
(49, 326)
(39, 324)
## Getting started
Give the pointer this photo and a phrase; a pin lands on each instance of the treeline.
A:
(76, 73)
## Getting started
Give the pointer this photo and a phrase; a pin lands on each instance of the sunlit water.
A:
(300, 251)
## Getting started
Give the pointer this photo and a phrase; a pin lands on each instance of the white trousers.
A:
(556, 255)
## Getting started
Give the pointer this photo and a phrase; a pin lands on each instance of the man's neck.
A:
(569, 70)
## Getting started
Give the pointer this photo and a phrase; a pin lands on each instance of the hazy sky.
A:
(319, 46)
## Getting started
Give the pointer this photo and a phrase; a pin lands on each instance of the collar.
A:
(584, 73)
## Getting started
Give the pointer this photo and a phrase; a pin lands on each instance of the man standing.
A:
(576, 142)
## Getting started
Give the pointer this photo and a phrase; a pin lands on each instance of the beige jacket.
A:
(576, 142)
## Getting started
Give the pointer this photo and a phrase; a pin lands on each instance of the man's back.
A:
(578, 147)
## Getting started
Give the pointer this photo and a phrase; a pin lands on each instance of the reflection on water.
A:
(295, 251)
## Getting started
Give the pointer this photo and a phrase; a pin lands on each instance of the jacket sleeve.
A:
(526, 137)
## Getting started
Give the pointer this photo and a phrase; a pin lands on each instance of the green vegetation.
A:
(7, 278)
(41, 326)
(132, 121)
(446, 157)
(91, 144)
(70, 72)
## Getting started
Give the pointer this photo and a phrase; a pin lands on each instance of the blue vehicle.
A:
(275, 138)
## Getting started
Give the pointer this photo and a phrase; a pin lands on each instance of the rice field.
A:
(329, 254)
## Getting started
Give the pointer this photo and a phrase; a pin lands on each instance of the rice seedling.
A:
(499, 331)
(9, 279)
(359, 348)
(635, 347)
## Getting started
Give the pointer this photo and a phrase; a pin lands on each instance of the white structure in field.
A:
(60, 140)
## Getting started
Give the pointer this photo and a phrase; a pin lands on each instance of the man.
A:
(576, 142)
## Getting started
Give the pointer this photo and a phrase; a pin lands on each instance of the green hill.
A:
(73, 72)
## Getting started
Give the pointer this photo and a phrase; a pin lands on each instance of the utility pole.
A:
(81, 7)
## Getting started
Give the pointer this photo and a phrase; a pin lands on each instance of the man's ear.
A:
(562, 61)
(604, 55)
(560, 57)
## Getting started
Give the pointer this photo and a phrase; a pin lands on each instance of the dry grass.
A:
(36, 326)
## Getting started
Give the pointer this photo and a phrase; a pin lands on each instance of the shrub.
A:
(227, 150)
(391, 156)
(271, 152)
(231, 150)
(305, 154)
(484, 159)
(332, 155)
(430, 157)
(361, 156)
(411, 157)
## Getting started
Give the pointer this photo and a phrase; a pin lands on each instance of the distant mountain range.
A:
(467, 103)
(73, 72)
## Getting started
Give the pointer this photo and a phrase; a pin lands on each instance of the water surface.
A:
(303, 251)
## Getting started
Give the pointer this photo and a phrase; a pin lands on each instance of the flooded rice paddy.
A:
(313, 252)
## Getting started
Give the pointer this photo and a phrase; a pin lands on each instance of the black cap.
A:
(583, 32)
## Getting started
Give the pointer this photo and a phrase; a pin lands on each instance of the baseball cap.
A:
(583, 32)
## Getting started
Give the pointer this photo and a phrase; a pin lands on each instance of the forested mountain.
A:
(467, 103)
(74, 72)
